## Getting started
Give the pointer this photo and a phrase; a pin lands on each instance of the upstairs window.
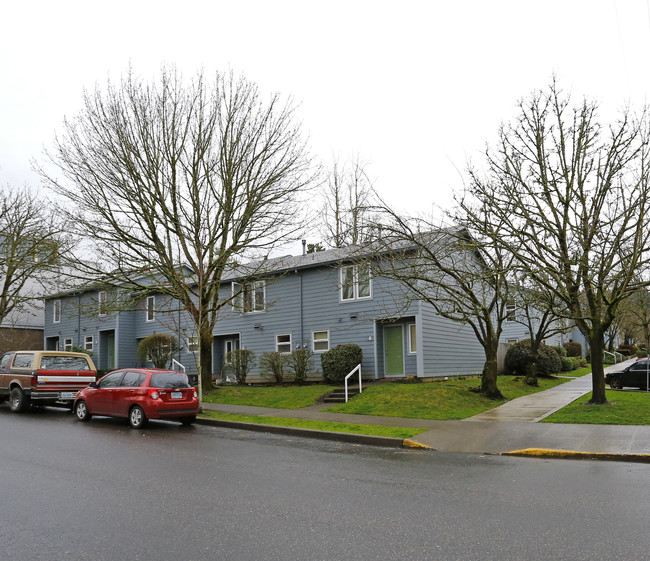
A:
(102, 302)
(511, 311)
(356, 282)
(249, 297)
(151, 308)
(56, 311)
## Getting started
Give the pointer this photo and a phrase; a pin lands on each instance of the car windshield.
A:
(169, 380)
(64, 363)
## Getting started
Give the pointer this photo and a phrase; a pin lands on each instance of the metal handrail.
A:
(357, 367)
(618, 357)
(176, 363)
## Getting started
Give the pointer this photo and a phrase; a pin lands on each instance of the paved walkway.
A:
(511, 427)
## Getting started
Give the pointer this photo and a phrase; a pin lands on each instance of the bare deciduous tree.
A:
(572, 199)
(173, 181)
(346, 217)
(464, 278)
(32, 237)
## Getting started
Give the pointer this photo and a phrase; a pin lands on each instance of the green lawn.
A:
(624, 408)
(437, 400)
(394, 432)
(281, 397)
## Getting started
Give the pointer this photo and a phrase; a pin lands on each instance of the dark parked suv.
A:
(634, 376)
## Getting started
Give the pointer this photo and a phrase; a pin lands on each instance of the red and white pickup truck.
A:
(43, 377)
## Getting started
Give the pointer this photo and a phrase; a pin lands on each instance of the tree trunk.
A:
(597, 346)
(205, 356)
(530, 379)
(489, 378)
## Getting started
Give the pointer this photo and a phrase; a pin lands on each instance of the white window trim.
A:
(313, 340)
(89, 339)
(278, 344)
(101, 303)
(355, 283)
(239, 294)
(67, 344)
(150, 309)
(511, 312)
(412, 339)
(56, 312)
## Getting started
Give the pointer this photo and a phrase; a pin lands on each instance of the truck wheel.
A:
(18, 401)
(137, 418)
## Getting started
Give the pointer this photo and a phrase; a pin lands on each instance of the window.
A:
(283, 343)
(111, 380)
(88, 343)
(249, 297)
(192, 344)
(102, 303)
(67, 344)
(150, 308)
(64, 363)
(56, 312)
(511, 311)
(23, 360)
(355, 282)
(133, 379)
(321, 341)
(412, 340)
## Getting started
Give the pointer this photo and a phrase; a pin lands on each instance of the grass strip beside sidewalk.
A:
(624, 407)
(372, 430)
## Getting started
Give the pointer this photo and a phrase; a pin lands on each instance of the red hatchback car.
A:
(139, 394)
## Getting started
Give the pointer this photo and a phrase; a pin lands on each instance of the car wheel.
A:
(18, 401)
(615, 383)
(185, 421)
(81, 411)
(137, 418)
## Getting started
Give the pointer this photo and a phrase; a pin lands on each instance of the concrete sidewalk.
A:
(511, 428)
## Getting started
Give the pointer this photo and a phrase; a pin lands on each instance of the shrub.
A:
(300, 364)
(573, 349)
(627, 350)
(567, 364)
(158, 348)
(239, 363)
(642, 354)
(560, 350)
(518, 358)
(338, 362)
(272, 366)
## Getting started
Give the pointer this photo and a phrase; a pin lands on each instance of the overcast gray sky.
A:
(416, 88)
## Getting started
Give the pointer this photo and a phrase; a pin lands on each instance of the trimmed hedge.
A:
(338, 362)
(573, 349)
(519, 357)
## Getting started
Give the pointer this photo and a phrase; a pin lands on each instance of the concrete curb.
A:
(384, 441)
(571, 454)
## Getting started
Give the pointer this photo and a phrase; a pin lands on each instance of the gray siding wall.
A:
(449, 348)
(297, 304)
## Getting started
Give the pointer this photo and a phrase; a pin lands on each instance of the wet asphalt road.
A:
(102, 491)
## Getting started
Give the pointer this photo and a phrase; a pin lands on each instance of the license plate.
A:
(177, 395)
(68, 395)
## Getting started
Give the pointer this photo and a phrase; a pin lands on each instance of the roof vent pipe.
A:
(304, 247)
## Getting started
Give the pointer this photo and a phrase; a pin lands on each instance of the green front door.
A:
(394, 350)
(111, 351)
